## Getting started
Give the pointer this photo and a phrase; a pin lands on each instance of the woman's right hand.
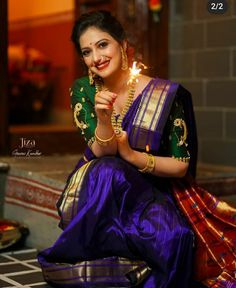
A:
(104, 105)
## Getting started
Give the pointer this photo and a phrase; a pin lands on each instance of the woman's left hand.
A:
(123, 146)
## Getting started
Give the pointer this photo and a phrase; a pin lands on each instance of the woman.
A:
(117, 211)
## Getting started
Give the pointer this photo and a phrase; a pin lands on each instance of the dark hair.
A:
(102, 20)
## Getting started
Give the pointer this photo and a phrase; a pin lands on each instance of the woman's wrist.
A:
(143, 161)
(133, 158)
(150, 163)
(103, 141)
(105, 128)
(105, 122)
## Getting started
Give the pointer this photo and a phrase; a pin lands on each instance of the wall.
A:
(28, 9)
(46, 26)
(203, 58)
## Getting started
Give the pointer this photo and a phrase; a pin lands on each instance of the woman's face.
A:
(101, 52)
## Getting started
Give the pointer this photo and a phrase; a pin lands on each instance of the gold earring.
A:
(124, 59)
(90, 74)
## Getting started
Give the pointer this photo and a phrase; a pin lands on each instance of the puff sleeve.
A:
(175, 142)
(82, 105)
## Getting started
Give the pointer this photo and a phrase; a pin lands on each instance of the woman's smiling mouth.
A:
(103, 65)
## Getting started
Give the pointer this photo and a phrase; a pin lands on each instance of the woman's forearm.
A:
(164, 166)
(104, 132)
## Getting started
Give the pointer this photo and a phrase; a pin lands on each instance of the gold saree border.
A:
(96, 271)
(149, 112)
(68, 207)
(147, 123)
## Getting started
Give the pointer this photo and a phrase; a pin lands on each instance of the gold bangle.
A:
(150, 165)
(103, 142)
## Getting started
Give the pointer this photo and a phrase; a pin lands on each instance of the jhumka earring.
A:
(124, 63)
(90, 74)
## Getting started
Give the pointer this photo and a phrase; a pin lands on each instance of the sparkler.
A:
(134, 72)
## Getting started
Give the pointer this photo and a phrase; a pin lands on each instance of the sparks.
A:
(134, 71)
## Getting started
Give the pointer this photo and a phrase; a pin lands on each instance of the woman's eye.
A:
(103, 44)
(85, 53)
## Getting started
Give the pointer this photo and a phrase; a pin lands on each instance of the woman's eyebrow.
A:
(95, 43)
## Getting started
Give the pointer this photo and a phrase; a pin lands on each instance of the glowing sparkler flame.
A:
(134, 72)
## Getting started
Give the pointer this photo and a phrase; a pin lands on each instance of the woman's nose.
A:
(96, 57)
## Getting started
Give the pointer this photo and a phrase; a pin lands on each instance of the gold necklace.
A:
(116, 120)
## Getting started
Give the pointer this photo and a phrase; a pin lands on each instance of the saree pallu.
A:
(214, 224)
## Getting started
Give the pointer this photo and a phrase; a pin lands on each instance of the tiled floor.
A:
(21, 269)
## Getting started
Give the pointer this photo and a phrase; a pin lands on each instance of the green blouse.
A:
(174, 141)
(82, 104)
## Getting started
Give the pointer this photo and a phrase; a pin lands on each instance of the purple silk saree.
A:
(115, 218)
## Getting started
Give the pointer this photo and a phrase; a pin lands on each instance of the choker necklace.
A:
(116, 120)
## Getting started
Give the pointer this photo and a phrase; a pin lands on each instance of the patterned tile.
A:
(3, 284)
(34, 263)
(25, 255)
(29, 278)
(9, 268)
(20, 269)
(4, 259)
(41, 286)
